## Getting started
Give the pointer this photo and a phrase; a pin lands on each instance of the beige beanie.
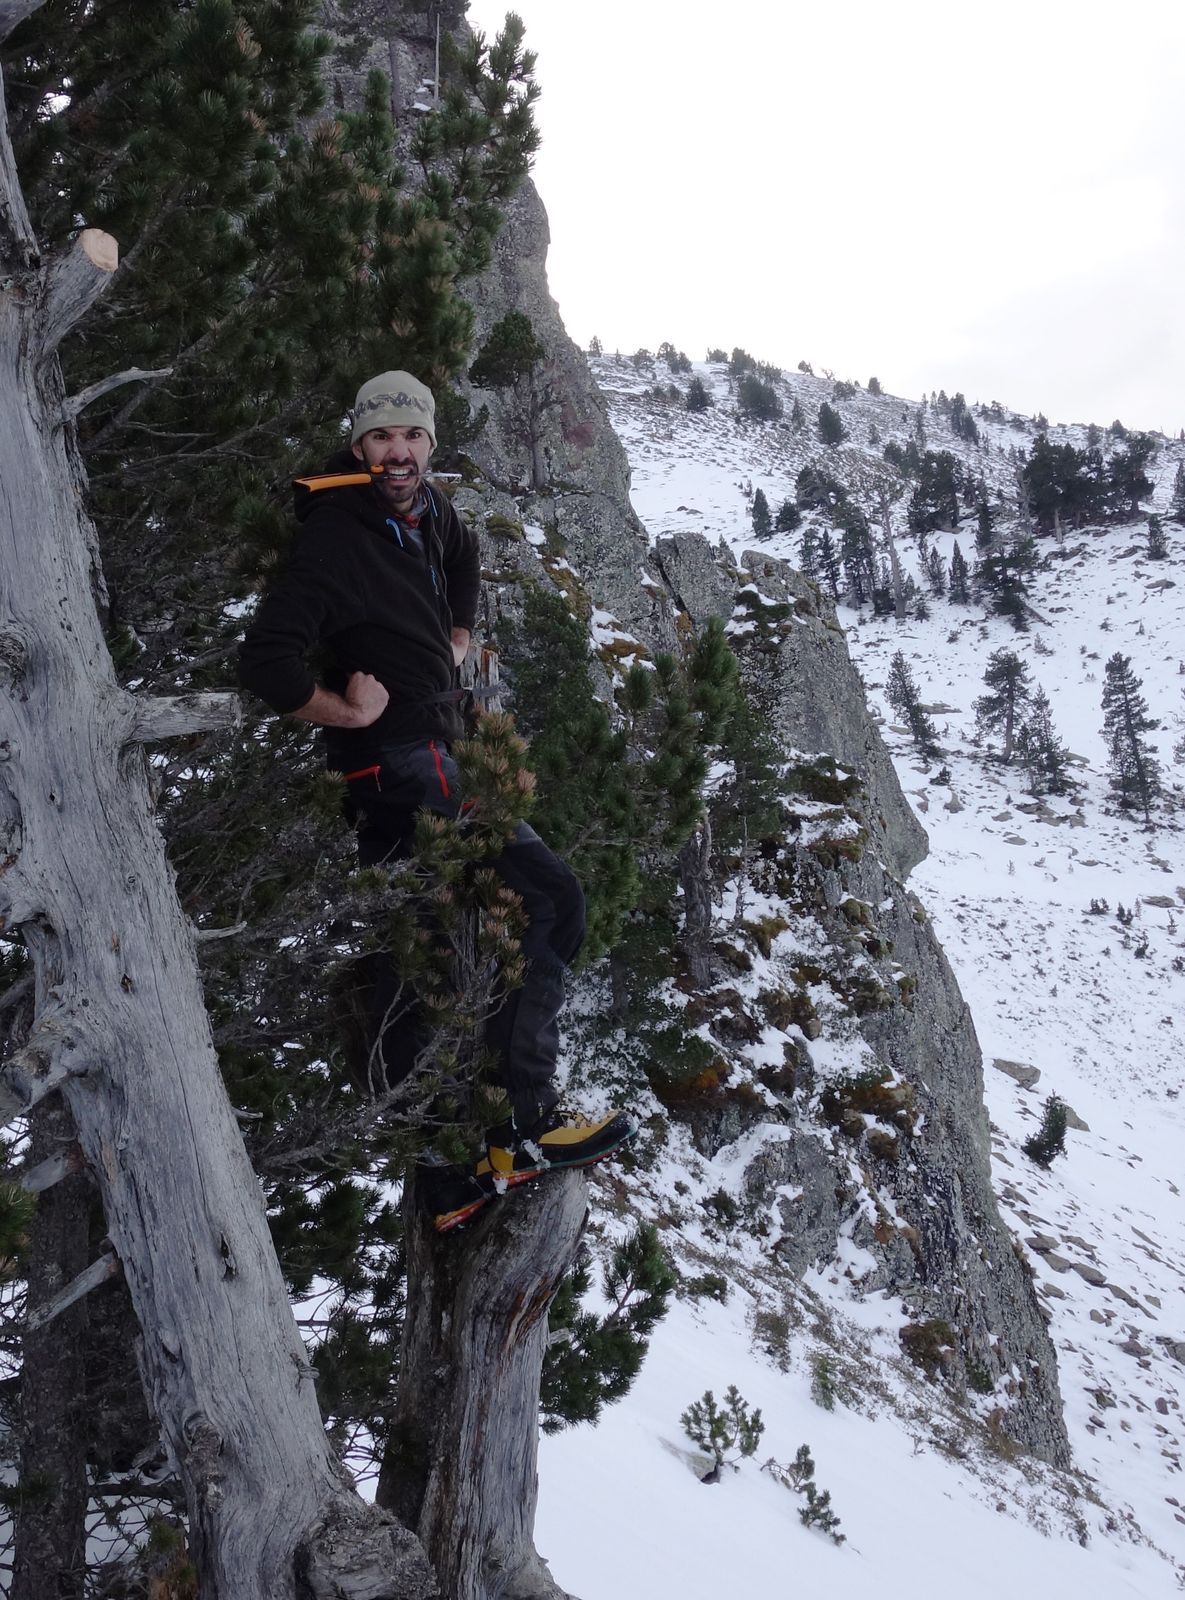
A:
(394, 400)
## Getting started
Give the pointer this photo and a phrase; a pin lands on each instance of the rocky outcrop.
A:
(903, 1167)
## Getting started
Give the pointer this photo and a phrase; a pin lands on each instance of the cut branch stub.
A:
(172, 716)
(102, 1270)
(72, 285)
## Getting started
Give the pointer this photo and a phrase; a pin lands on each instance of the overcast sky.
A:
(983, 197)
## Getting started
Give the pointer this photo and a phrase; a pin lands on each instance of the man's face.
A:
(403, 454)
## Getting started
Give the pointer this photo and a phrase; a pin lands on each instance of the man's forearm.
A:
(362, 704)
(460, 644)
(328, 710)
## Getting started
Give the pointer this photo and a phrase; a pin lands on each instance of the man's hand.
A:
(364, 702)
(367, 698)
(460, 645)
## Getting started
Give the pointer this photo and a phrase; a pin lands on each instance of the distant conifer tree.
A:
(698, 397)
(829, 568)
(958, 588)
(874, 386)
(763, 524)
(1009, 692)
(1050, 1140)
(788, 517)
(757, 401)
(902, 694)
(831, 428)
(797, 419)
(1003, 575)
(808, 551)
(1177, 504)
(936, 574)
(1042, 754)
(1134, 768)
(595, 347)
(1158, 547)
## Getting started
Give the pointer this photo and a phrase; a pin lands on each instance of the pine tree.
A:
(1000, 710)
(856, 552)
(1044, 757)
(1176, 511)
(729, 1433)
(762, 521)
(829, 563)
(934, 502)
(1050, 1139)
(698, 397)
(958, 588)
(874, 386)
(808, 557)
(1002, 574)
(509, 362)
(831, 428)
(902, 694)
(1158, 547)
(757, 401)
(788, 517)
(936, 574)
(797, 417)
(1134, 768)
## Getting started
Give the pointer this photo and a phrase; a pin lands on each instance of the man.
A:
(386, 577)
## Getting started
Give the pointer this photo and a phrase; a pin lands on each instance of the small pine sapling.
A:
(1050, 1139)
(728, 1434)
(817, 1513)
(799, 1478)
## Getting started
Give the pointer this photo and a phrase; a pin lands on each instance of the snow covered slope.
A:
(1067, 999)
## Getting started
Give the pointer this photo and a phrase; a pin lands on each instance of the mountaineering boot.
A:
(452, 1195)
(558, 1139)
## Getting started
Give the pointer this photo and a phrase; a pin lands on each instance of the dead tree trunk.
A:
(460, 1465)
(120, 1025)
(695, 866)
(49, 1561)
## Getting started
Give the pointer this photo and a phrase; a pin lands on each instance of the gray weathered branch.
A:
(207, 935)
(43, 1176)
(51, 1058)
(72, 285)
(101, 1270)
(171, 716)
(14, 12)
(77, 403)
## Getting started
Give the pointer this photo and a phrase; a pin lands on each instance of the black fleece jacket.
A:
(358, 585)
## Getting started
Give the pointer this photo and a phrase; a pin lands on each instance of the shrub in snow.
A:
(1050, 1138)
(799, 1478)
(727, 1434)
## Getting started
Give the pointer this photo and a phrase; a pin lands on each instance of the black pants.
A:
(523, 1034)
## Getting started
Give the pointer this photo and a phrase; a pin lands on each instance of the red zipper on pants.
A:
(439, 768)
